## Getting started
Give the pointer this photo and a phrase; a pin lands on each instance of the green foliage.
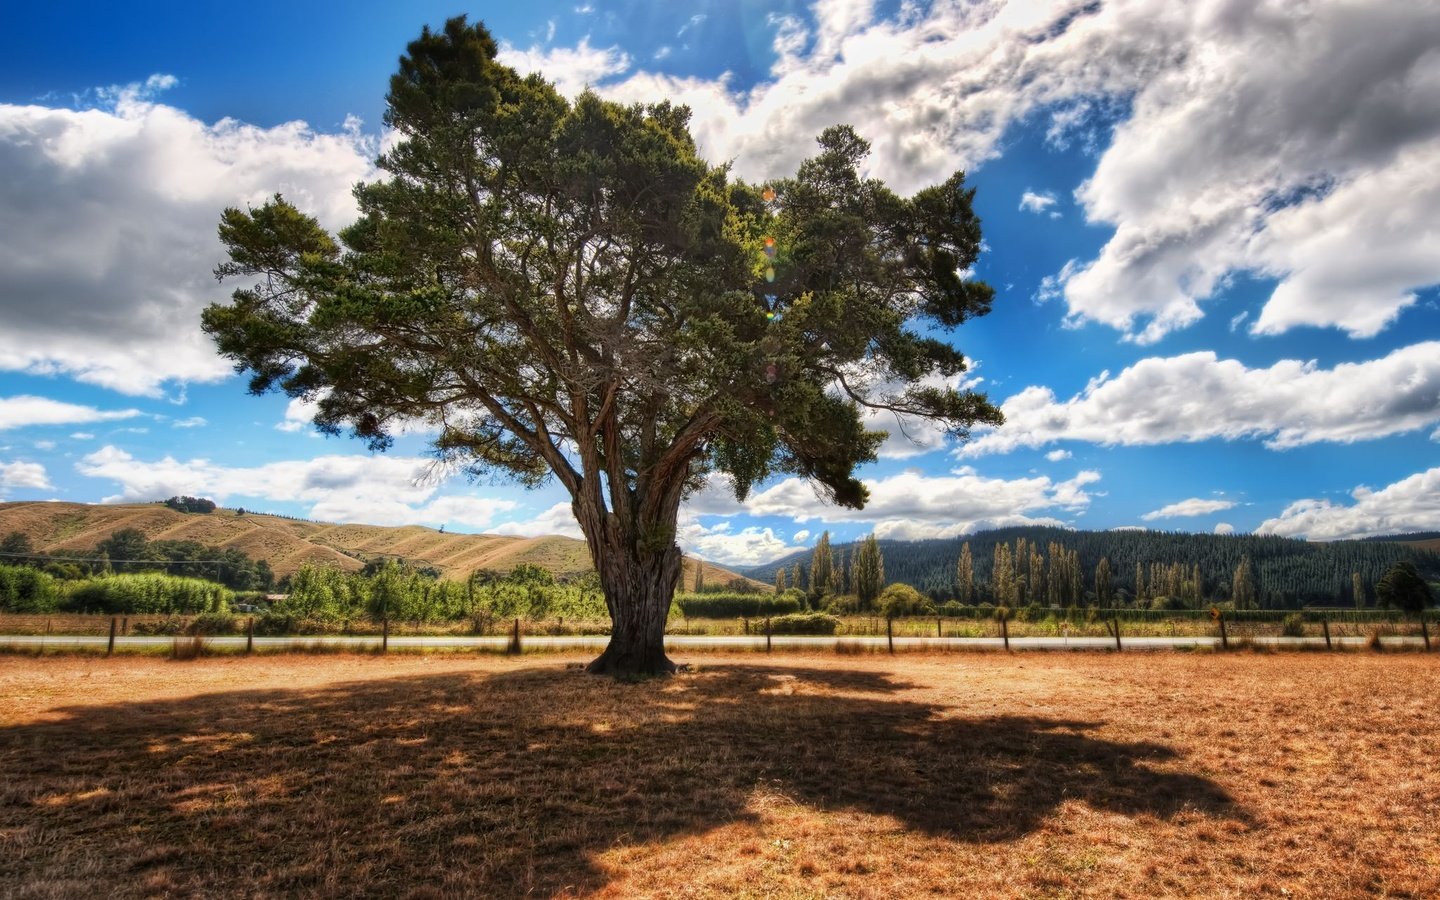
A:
(804, 623)
(869, 572)
(534, 274)
(24, 589)
(1286, 572)
(214, 623)
(736, 606)
(16, 543)
(191, 505)
(1402, 587)
(147, 592)
(903, 600)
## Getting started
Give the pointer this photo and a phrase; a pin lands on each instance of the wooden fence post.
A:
(890, 632)
(110, 648)
(124, 625)
(514, 648)
(1424, 632)
(1115, 620)
(1325, 624)
(1224, 638)
(767, 634)
(385, 635)
(937, 627)
(250, 636)
(1005, 631)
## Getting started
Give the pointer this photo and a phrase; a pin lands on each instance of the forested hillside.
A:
(1287, 572)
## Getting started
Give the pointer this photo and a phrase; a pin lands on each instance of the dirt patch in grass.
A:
(1035, 775)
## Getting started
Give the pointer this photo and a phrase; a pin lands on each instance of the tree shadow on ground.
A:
(510, 784)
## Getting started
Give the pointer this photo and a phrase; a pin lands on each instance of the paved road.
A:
(684, 642)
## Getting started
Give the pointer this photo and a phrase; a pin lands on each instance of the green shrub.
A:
(903, 600)
(1293, 625)
(214, 623)
(148, 592)
(952, 608)
(804, 623)
(736, 606)
(24, 589)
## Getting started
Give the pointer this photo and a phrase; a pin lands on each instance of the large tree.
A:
(567, 290)
(1401, 586)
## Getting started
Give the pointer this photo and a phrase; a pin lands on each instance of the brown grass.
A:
(980, 776)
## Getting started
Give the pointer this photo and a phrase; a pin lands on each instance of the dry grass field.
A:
(1055, 775)
(289, 543)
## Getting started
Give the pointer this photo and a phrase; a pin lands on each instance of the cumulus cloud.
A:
(1036, 203)
(914, 504)
(1251, 137)
(718, 543)
(1224, 528)
(1195, 506)
(379, 490)
(1057, 455)
(109, 216)
(1198, 396)
(23, 411)
(557, 519)
(1411, 504)
(23, 475)
(802, 536)
(572, 69)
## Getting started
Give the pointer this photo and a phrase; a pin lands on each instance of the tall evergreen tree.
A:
(1357, 590)
(822, 567)
(965, 575)
(1242, 585)
(869, 572)
(699, 576)
(1102, 582)
(779, 580)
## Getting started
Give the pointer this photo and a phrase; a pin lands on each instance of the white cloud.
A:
(299, 415)
(192, 422)
(1411, 504)
(1224, 528)
(1260, 136)
(1057, 455)
(23, 475)
(24, 411)
(1197, 397)
(801, 536)
(572, 69)
(558, 519)
(44, 445)
(1195, 506)
(1036, 203)
(943, 505)
(747, 547)
(378, 490)
(110, 215)
(83, 436)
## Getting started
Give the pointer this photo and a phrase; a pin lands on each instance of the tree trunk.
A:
(638, 587)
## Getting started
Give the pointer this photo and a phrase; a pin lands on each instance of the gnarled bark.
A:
(639, 582)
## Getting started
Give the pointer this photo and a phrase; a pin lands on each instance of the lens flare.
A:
(768, 195)
(770, 273)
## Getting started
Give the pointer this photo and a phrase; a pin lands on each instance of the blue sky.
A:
(1212, 228)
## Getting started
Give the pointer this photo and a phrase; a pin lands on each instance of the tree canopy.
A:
(566, 289)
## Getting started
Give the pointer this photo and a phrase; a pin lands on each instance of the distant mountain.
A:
(1288, 572)
(287, 543)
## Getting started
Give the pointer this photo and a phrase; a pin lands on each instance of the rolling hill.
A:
(289, 543)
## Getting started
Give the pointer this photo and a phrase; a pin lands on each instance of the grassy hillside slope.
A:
(289, 543)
